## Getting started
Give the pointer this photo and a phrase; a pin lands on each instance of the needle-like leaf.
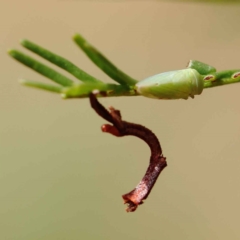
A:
(41, 68)
(43, 86)
(60, 62)
(103, 63)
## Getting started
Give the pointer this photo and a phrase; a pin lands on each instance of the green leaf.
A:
(103, 63)
(43, 86)
(60, 62)
(41, 68)
(202, 68)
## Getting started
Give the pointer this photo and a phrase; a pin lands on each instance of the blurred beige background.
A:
(62, 178)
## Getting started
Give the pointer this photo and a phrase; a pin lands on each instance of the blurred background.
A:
(62, 178)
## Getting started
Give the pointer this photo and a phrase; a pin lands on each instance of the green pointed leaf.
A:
(60, 62)
(41, 68)
(201, 67)
(103, 63)
(43, 86)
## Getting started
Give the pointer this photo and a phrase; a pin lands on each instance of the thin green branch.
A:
(103, 63)
(212, 78)
(41, 68)
(221, 78)
(43, 86)
(82, 90)
(60, 62)
(110, 90)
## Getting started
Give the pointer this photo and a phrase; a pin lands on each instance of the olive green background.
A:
(62, 178)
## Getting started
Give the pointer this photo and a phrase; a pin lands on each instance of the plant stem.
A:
(110, 90)
(221, 78)
(120, 128)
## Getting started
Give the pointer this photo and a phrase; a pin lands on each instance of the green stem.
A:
(221, 78)
(60, 62)
(41, 68)
(103, 63)
(110, 90)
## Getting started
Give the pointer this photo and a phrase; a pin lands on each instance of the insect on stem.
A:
(120, 128)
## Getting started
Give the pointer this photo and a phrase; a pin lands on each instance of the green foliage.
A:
(126, 86)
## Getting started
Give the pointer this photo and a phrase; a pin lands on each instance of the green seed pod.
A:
(172, 85)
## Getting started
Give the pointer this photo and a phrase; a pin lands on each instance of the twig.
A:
(122, 128)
